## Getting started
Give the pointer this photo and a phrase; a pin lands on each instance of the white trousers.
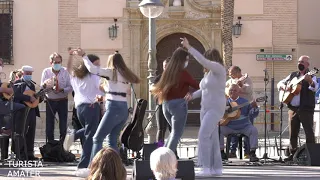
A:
(209, 155)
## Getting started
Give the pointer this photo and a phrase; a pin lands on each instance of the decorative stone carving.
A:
(214, 7)
(195, 15)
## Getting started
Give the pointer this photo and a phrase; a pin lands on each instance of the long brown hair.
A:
(80, 70)
(213, 55)
(117, 63)
(107, 165)
(170, 76)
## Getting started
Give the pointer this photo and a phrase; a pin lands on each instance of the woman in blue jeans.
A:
(119, 77)
(171, 89)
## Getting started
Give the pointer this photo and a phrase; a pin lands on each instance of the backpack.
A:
(53, 151)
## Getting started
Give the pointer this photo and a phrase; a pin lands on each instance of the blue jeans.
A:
(176, 112)
(110, 126)
(246, 142)
(53, 107)
(88, 115)
(16, 107)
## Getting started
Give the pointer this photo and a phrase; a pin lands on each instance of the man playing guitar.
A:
(242, 80)
(301, 107)
(5, 128)
(242, 124)
(246, 92)
(22, 85)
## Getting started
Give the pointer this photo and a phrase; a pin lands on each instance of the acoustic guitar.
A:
(286, 96)
(37, 95)
(132, 136)
(245, 76)
(5, 85)
(234, 111)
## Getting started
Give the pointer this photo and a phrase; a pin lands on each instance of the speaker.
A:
(141, 170)
(147, 150)
(308, 154)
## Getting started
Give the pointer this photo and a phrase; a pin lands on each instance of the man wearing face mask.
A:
(22, 85)
(57, 77)
(301, 107)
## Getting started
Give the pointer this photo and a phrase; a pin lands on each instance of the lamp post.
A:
(151, 9)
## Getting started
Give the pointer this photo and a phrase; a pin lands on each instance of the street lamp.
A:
(151, 9)
(236, 29)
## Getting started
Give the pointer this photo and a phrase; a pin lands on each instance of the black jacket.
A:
(19, 88)
(307, 97)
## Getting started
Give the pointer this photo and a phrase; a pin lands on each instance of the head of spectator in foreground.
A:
(107, 165)
(163, 163)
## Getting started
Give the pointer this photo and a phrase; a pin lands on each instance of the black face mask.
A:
(300, 67)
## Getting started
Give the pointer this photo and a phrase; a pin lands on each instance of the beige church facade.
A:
(41, 27)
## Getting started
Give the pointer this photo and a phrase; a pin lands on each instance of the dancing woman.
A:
(213, 101)
(119, 77)
(171, 90)
(86, 89)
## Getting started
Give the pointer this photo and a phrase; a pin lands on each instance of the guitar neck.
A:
(240, 106)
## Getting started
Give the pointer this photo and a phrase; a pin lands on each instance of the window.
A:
(6, 31)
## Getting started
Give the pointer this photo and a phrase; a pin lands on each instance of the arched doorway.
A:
(165, 48)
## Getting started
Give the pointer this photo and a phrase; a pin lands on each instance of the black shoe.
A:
(289, 158)
(224, 156)
(253, 157)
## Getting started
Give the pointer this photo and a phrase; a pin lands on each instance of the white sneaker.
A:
(204, 172)
(82, 172)
(216, 172)
(68, 141)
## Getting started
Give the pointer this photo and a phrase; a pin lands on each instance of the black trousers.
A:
(306, 119)
(162, 124)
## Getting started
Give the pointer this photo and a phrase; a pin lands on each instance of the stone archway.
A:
(165, 48)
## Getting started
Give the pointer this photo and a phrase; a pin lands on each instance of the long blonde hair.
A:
(171, 75)
(117, 63)
(107, 165)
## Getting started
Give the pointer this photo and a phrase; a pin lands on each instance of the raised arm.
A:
(211, 65)
(69, 64)
(95, 69)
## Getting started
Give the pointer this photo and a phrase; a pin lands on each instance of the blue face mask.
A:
(56, 67)
(27, 77)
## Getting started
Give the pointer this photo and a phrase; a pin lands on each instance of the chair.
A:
(240, 137)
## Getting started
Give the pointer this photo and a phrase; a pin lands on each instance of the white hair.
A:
(163, 163)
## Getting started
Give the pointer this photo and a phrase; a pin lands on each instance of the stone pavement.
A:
(230, 172)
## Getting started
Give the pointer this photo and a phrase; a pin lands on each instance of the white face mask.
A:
(0, 68)
(186, 64)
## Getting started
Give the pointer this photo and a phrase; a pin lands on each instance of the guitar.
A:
(234, 111)
(37, 95)
(132, 136)
(5, 85)
(233, 81)
(286, 96)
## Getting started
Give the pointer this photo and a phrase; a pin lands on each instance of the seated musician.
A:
(242, 125)
(246, 92)
(5, 128)
(21, 86)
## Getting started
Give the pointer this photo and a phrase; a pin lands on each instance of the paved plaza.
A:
(237, 169)
(59, 172)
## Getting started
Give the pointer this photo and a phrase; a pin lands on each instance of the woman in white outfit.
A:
(213, 103)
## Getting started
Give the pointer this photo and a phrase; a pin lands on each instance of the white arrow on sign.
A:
(288, 57)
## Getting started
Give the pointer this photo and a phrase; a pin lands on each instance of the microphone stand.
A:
(266, 81)
(13, 155)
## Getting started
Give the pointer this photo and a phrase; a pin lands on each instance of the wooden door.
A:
(165, 49)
